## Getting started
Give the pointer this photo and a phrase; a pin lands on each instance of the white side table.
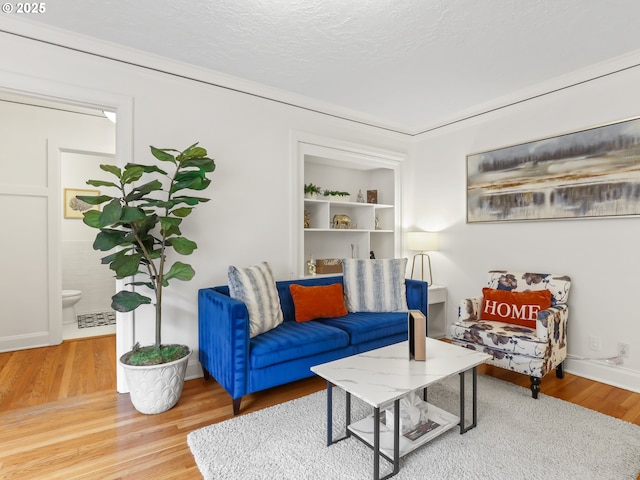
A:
(437, 311)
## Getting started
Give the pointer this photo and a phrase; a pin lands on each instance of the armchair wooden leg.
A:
(560, 370)
(236, 405)
(535, 386)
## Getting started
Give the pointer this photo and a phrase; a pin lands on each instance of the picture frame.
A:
(585, 174)
(73, 208)
(372, 196)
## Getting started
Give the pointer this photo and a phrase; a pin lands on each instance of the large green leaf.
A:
(189, 200)
(101, 183)
(126, 265)
(126, 301)
(130, 214)
(108, 239)
(112, 169)
(182, 212)
(111, 213)
(132, 173)
(92, 218)
(183, 245)
(204, 164)
(162, 155)
(92, 200)
(194, 151)
(180, 271)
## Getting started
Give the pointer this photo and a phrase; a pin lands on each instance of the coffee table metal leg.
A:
(474, 396)
(347, 434)
(396, 442)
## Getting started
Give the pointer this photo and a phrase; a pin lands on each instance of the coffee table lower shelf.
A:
(363, 430)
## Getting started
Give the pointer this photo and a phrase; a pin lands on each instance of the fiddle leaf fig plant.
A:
(143, 222)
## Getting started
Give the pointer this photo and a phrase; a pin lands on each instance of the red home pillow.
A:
(518, 308)
(324, 301)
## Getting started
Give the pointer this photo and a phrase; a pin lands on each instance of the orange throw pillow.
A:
(324, 301)
(518, 308)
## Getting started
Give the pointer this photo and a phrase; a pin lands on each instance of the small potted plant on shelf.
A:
(142, 221)
(311, 191)
(337, 195)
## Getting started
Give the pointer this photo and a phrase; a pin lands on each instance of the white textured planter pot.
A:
(156, 388)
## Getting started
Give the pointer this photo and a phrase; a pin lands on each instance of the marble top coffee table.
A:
(382, 377)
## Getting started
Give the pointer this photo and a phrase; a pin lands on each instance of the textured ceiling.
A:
(410, 63)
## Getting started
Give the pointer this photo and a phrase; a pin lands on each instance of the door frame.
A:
(90, 98)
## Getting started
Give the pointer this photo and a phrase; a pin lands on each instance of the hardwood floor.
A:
(61, 417)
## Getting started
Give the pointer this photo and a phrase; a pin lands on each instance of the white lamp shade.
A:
(422, 241)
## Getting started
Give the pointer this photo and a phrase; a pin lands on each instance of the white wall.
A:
(247, 219)
(601, 255)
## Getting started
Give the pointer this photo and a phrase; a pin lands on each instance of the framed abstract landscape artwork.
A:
(585, 174)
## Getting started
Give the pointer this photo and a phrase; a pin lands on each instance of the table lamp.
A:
(422, 242)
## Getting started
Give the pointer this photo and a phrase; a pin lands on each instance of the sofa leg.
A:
(560, 370)
(535, 386)
(236, 405)
(206, 374)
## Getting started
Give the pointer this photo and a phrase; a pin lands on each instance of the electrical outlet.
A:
(595, 343)
(623, 349)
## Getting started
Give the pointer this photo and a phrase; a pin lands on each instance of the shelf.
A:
(346, 230)
(363, 429)
(346, 204)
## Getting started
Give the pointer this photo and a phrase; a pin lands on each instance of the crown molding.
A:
(585, 75)
(72, 41)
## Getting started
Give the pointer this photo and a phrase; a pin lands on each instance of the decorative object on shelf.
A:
(372, 256)
(341, 221)
(377, 222)
(337, 195)
(307, 219)
(422, 242)
(372, 196)
(575, 175)
(311, 191)
(144, 220)
(360, 198)
(311, 266)
(328, 265)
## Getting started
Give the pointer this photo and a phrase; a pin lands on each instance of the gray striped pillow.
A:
(375, 285)
(256, 288)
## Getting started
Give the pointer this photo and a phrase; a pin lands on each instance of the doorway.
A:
(33, 316)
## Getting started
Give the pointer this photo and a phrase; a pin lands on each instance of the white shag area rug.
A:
(517, 437)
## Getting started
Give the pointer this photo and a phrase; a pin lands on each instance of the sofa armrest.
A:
(469, 309)
(223, 338)
(552, 322)
(416, 295)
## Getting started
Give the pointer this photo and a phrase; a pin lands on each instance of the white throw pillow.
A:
(375, 285)
(256, 288)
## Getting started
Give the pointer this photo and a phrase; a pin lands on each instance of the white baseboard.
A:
(23, 342)
(194, 369)
(616, 375)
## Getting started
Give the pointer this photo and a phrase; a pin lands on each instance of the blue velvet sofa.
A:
(244, 365)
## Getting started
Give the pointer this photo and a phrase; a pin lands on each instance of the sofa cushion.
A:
(517, 308)
(367, 326)
(256, 288)
(505, 337)
(322, 301)
(292, 340)
(375, 285)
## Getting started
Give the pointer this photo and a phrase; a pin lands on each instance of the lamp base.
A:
(413, 265)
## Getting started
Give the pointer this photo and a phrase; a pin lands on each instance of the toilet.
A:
(69, 300)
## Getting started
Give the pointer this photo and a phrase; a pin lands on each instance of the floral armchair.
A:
(530, 350)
